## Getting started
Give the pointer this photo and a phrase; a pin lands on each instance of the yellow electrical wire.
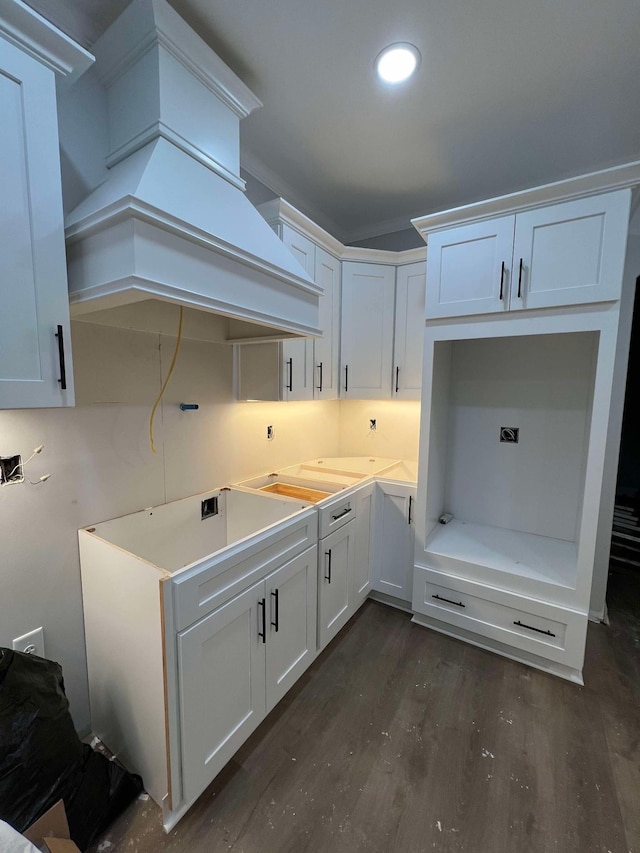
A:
(166, 382)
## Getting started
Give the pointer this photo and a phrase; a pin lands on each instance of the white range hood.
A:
(171, 222)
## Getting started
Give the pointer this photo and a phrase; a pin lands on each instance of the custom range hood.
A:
(171, 222)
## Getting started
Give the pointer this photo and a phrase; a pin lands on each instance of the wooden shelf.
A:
(538, 558)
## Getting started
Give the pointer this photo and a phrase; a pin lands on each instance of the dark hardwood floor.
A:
(400, 739)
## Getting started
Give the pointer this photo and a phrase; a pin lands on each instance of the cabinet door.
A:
(297, 369)
(291, 624)
(364, 545)
(465, 272)
(570, 253)
(336, 554)
(395, 541)
(326, 349)
(368, 297)
(33, 271)
(409, 332)
(221, 676)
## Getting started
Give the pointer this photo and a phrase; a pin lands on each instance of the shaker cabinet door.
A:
(221, 676)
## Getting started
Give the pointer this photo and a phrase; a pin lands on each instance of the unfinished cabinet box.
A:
(199, 614)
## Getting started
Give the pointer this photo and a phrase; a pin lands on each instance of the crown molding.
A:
(33, 34)
(607, 180)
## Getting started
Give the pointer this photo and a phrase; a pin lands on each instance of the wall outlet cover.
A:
(31, 643)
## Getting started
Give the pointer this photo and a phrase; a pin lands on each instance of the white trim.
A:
(129, 208)
(278, 211)
(607, 180)
(169, 31)
(36, 36)
(159, 128)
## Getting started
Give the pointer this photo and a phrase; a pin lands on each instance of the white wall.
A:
(397, 431)
(102, 467)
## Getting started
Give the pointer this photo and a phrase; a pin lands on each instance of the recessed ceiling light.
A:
(397, 62)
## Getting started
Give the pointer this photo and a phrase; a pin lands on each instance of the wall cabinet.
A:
(241, 660)
(409, 331)
(395, 542)
(35, 345)
(368, 301)
(562, 254)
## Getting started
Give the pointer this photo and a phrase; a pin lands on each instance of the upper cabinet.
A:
(409, 331)
(35, 346)
(562, 254)
(368, 301)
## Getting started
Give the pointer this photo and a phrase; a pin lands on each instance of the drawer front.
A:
(198, 591)
(336, 514)
(536, 627)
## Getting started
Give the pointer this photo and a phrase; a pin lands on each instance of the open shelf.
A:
(527, 555)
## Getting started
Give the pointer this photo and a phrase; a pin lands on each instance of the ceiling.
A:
(510, 94)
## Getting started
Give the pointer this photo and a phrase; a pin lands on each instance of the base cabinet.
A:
(336, 554)
(395, 540)
(241, 660)
(365, 543)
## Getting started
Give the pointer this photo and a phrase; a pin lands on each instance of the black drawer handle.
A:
(346, 378)
(397, 379)
(341, 514)
(409, 518)
(327, 573)
(63, 369)
(276, 606)
(319, 387)
(502, 282)
(290, 366)
(448, 600)
(531, 628)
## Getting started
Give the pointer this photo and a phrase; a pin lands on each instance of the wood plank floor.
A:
(400, 739)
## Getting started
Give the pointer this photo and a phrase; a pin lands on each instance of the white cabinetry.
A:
(409, 331)
(365, 543)
(368, 300)
(514, 424)
(239, 662)
(563, 254)
(35, 346)
(336, 555)
(395, 540)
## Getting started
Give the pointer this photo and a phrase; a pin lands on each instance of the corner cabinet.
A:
(515, 429)
(562, 254)
(395, 543)
(35, 346)
(368, 302)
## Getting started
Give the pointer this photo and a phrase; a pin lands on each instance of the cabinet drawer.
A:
(336, 514)
(536, 627)
(198, 591)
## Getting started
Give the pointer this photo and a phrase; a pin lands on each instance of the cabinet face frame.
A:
(433, 429)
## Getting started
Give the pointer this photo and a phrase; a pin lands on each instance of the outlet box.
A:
(31, 643)
(373, 424)
(510, 435)
(270, 433)
(11, 470)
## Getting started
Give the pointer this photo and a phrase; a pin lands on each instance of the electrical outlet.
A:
(270, 433)
(11, 470)
(31, 643)
(373, 424)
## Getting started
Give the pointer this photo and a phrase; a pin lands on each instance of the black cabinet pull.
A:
(410, 505)
(327, 571)
(397, 379)
(502, 281)
(275, 596)
(346, 378)
(520, 280)
(531, 628)
(320, 370)
(63, 370)
(290, 366)
(342, 514)
(449, 601)
(263, 618)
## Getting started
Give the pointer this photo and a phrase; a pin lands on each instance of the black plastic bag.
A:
(42, 760)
